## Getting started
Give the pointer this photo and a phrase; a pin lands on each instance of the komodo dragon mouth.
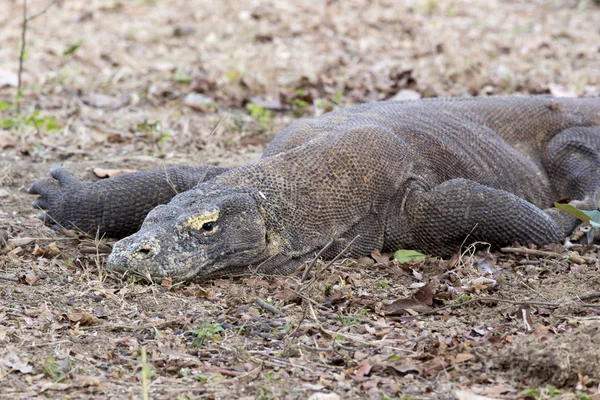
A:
(420, 175)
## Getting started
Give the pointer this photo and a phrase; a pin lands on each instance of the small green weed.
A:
(181, 77)
(205, 332)
(383, 283)
(72, 48)
(261, 115)
(11, 119)
(353, 319)
(54, 370)
(154, 130)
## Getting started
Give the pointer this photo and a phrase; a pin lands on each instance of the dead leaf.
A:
(203, 84)
(99, 100)
(406, 94)
(498, 390)
(83, 318)
(482, 284)
(49, 251)
(109, 173)
(561, 91)
(29, 278)
(21, 241)
(464, 395)
(7, 139)
(461, 357)
(199, 102)
(269, 104)
(45, 314)
(525, 311)
(406, 304)
(85, 381)
(381, 258)
(166, 283)
(4, 194)
(425, 294)
(417, 274)
(14, 362)
(324, 396)
(364, 368)
(404, 368)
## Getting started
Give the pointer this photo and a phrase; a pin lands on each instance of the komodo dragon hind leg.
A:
(442, 218)
(114, 207)
(572, 159)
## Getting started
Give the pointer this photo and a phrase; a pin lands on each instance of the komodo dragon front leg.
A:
(114, 207)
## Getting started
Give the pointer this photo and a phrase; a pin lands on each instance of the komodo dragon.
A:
(422, 174)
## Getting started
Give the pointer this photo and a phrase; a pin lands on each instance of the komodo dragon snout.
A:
(196, 234)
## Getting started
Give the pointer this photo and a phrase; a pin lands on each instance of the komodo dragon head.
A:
(198, 234)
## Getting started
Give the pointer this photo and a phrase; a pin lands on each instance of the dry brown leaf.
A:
(482, 284)
(7, 139)
(269, 104)
(561, 91)
(464, 395)
(406, 94)
(29, 278)
(405, 368)
(84, 381)
(45, 314)
(21, 241)
(99, 100)
(49, 251)
(199, 102)
(83, 318)
(364, 368)
(109, 173)
(166, 283)
(497, 390)
(324, 396)
(405, 305)
(461, 357)
(381, 258)
(14, 362)
(425, 294)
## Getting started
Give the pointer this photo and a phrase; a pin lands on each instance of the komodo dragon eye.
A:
(205, 223)
(208, 226)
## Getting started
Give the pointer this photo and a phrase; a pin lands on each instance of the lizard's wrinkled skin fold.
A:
(422, 175)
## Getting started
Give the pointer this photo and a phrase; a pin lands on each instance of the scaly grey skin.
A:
(422, 175)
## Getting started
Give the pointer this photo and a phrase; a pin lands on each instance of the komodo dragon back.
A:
(417, 174)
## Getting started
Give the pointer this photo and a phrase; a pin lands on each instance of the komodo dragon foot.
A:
(114, 207)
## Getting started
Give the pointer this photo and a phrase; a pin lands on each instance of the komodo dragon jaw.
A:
(197, 234)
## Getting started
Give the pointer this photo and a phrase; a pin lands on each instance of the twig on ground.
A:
(585, 296)
(532, 252)
(269, 307)
(340, 254)
(8, 278)
(317, 257)
(308, 284)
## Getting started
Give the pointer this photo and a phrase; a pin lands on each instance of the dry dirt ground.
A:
(105, 85)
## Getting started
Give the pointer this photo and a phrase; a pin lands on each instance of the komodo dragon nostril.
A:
(145, 252)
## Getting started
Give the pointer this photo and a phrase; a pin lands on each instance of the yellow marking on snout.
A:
(197, 221)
